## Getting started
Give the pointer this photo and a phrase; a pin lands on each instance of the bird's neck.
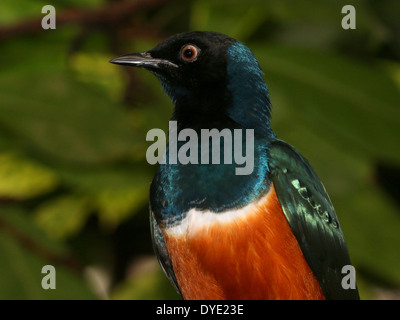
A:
(250, 103)
(236, 109)
(204, 107)
(215, 187)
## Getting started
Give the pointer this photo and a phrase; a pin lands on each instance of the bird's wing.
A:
(161, 251)
(312, 218)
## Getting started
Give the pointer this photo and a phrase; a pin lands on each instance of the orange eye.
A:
(189, 52)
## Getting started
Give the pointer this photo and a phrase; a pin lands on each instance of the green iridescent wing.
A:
(312, 218)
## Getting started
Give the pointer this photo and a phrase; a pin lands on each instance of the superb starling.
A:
(269, 234)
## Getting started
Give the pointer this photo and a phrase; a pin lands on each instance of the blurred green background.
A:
(73, 176)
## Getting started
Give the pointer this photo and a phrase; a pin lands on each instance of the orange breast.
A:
(252, 257)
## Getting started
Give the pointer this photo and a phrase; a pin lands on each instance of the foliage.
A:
(73, 176)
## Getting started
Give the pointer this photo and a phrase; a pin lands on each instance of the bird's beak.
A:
(142, 60)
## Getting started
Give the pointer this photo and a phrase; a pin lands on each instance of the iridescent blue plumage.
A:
(251, 105)
(214, 187)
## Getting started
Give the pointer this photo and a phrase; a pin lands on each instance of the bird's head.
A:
(208, 75)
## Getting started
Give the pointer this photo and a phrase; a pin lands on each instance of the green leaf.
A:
(64, 216)
(115, 193)
(22, 179)
(92, 68)
(13, 11)
(64, 120)
(114, 206)
(58, 117)
(372, 225)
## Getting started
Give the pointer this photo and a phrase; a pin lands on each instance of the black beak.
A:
(142, 60)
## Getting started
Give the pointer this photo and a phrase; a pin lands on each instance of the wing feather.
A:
(312, 218)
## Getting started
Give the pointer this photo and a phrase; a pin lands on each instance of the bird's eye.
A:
(189, 53)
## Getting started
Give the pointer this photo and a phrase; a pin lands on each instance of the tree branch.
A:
(110, 14)
(37, 248)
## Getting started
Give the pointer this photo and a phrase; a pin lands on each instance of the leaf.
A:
(12, 11)
(67, 121)
(115, 193)
(116, 205)
(21, 179)
(64, 216)
(373, 224)
(92, 68)
(57, 117)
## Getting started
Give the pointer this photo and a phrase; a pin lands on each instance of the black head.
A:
(185, 63)
(197, 56)
(207, 74)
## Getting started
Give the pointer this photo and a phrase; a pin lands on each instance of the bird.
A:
(272, 234)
